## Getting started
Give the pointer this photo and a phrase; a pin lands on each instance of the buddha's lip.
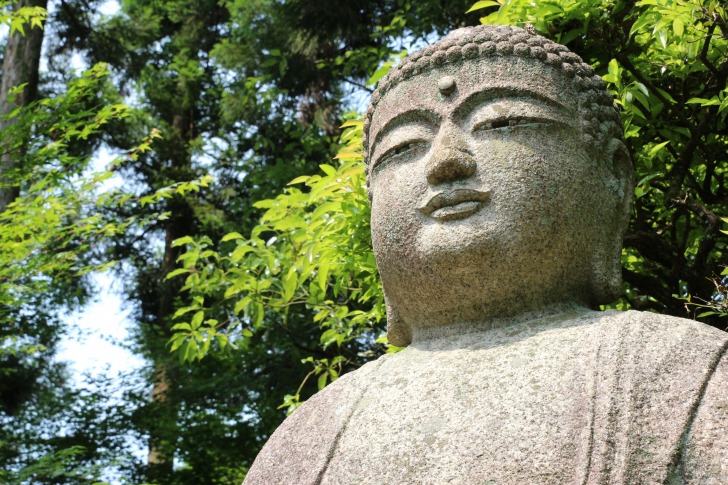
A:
(454, 197)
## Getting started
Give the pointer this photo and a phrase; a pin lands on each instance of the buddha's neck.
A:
(443, 330)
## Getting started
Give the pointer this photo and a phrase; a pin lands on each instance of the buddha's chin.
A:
(438, 276)
(460, 246)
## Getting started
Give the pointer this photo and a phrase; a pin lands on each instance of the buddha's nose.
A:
(451, 160)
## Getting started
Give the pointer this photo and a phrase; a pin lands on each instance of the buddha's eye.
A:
(506, 123)
(402, 151)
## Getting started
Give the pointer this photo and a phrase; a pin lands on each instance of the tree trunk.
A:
(159, 456)
(161, 436)
(20, 66)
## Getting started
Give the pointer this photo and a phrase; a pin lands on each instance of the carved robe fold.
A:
(583, 398)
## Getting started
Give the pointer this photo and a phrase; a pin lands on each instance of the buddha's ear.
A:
(619, 163)
(398, 332)
(606, 261)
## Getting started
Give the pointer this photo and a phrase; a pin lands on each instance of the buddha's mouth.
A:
(455, 204)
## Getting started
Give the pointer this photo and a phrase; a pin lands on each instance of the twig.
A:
(359, 85)
(703, 56)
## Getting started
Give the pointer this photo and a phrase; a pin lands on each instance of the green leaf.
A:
(613, 67)
(189, 354)
(182, 241)
(641, 22)
(264, 204)
(483, 4)
(655, 149)
(329, 336)
(707, 314)
(666, 95)
(17, 24)
(704, 102)
(239, 252)
(380, 73)
(222, 340)
(647, 178)
(678, 27)
(231, 236)
(242, 304)
(323, 378)
(184, 310)
(177, 341)
(197, 319)
(357, 123)
(298, 180)
(289, 284)
(662, 36)
(177, 272)
(327, 169)
(323, 275)
(233, 290)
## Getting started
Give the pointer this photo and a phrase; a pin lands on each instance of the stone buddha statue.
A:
(500, 189)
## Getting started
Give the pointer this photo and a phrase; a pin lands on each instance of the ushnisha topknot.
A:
(600, 121)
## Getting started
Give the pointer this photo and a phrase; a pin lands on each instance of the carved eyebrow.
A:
(408, 117)
(467, 105)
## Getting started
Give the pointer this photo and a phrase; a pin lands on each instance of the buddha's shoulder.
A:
(641, 330)
(661, 353)
(299, 450)
(682, 375)
(704, 454)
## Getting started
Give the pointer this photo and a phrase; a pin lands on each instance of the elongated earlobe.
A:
(606, 259)
(398, 332)
(606, 273)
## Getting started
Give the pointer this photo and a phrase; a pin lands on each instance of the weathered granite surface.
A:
(578, 397)
(500, 190)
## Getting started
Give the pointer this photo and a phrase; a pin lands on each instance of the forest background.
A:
(239, 225)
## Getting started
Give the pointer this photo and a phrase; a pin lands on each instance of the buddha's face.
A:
(482, 186)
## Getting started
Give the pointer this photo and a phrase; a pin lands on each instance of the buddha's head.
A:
(499, 181)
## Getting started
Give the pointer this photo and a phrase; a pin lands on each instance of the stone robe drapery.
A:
(579, 398)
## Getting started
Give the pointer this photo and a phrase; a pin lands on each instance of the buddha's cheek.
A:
(538, 178)
(395, 218)
(540, 202)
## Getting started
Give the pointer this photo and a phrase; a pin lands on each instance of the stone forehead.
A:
(460, 87)
(598, 116)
